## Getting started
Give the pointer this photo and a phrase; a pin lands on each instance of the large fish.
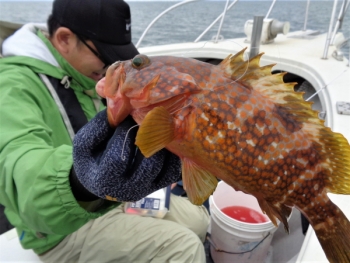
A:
(239, 123)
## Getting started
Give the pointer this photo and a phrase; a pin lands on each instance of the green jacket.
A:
(35, 147)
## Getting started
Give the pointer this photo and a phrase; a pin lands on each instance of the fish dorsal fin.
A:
(244, 70)
(282, 94)
(155, 132)
(198, 182)
(233, 61)
(259, 78)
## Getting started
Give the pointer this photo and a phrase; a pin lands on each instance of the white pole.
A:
(330, 30)
(221, 22)
(306, 14)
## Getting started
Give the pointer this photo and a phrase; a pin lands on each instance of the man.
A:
(46, 95)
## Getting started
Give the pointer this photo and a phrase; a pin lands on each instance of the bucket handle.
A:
(220, 250)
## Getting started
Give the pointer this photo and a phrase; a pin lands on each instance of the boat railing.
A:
(159, 16)
(221, 17)
(341, 16)
(330, 39)
(270, 9)
(332, 33)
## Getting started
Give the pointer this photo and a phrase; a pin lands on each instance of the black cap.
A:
(107, 23)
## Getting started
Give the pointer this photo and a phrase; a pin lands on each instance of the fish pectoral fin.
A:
(198, 182)
(155, 132)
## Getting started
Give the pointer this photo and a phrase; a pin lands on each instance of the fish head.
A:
(110, 88)
(144, 83)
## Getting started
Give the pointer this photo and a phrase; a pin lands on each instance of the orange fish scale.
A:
(211, 130)
(215, 104)
(231, 101)
(202, 122)
(224, 148)
(228, 159)
(251, 171)
(242, 144)
(267, 121)
(253, 100)
(213, 76)
(238, 154)
(244, 128)
(233, 94)
(221, 80)
(243, 114)
(213, 96)
(206, 144)
(220, 141)
(219, 156)
(243, 98)
(162, 86)
(239, 89)
(222, 97)
(201, 84)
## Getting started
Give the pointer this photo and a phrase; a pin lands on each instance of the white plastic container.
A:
(245, 242)
(155, 204)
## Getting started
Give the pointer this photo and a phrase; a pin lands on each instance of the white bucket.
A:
(232, 240)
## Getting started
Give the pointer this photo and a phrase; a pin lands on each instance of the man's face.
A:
(78, 54)
(86, 62)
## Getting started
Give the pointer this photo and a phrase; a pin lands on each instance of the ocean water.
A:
(187, 22)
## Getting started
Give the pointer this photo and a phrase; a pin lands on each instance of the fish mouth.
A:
(118, 107)
(109, 85)
(115, 77)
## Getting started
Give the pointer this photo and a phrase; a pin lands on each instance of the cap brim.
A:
(112, 53)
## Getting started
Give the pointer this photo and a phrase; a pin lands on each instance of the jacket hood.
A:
(32, 47)
(38, 53)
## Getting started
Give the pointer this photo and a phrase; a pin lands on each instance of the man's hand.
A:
(109, 165)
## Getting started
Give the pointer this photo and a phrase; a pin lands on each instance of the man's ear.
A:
(64, 40)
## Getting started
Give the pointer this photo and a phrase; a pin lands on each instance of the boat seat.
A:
(12, 251)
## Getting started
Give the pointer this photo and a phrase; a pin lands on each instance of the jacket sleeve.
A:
(35, 158)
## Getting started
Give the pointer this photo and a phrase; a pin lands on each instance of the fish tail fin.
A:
(339, 180)
(334, 237)
(331, 226)
(334, 150)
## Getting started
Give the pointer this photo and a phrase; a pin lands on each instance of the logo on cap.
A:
(128, 26)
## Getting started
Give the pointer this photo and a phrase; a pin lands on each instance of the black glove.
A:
(109, 165)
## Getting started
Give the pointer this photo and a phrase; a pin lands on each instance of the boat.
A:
(316, 61)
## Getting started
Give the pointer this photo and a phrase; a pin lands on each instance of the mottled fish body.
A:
(238, 122)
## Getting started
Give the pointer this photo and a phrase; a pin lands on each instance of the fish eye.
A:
(140, 61)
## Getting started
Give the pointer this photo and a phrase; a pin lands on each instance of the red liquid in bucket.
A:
(244, 214)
